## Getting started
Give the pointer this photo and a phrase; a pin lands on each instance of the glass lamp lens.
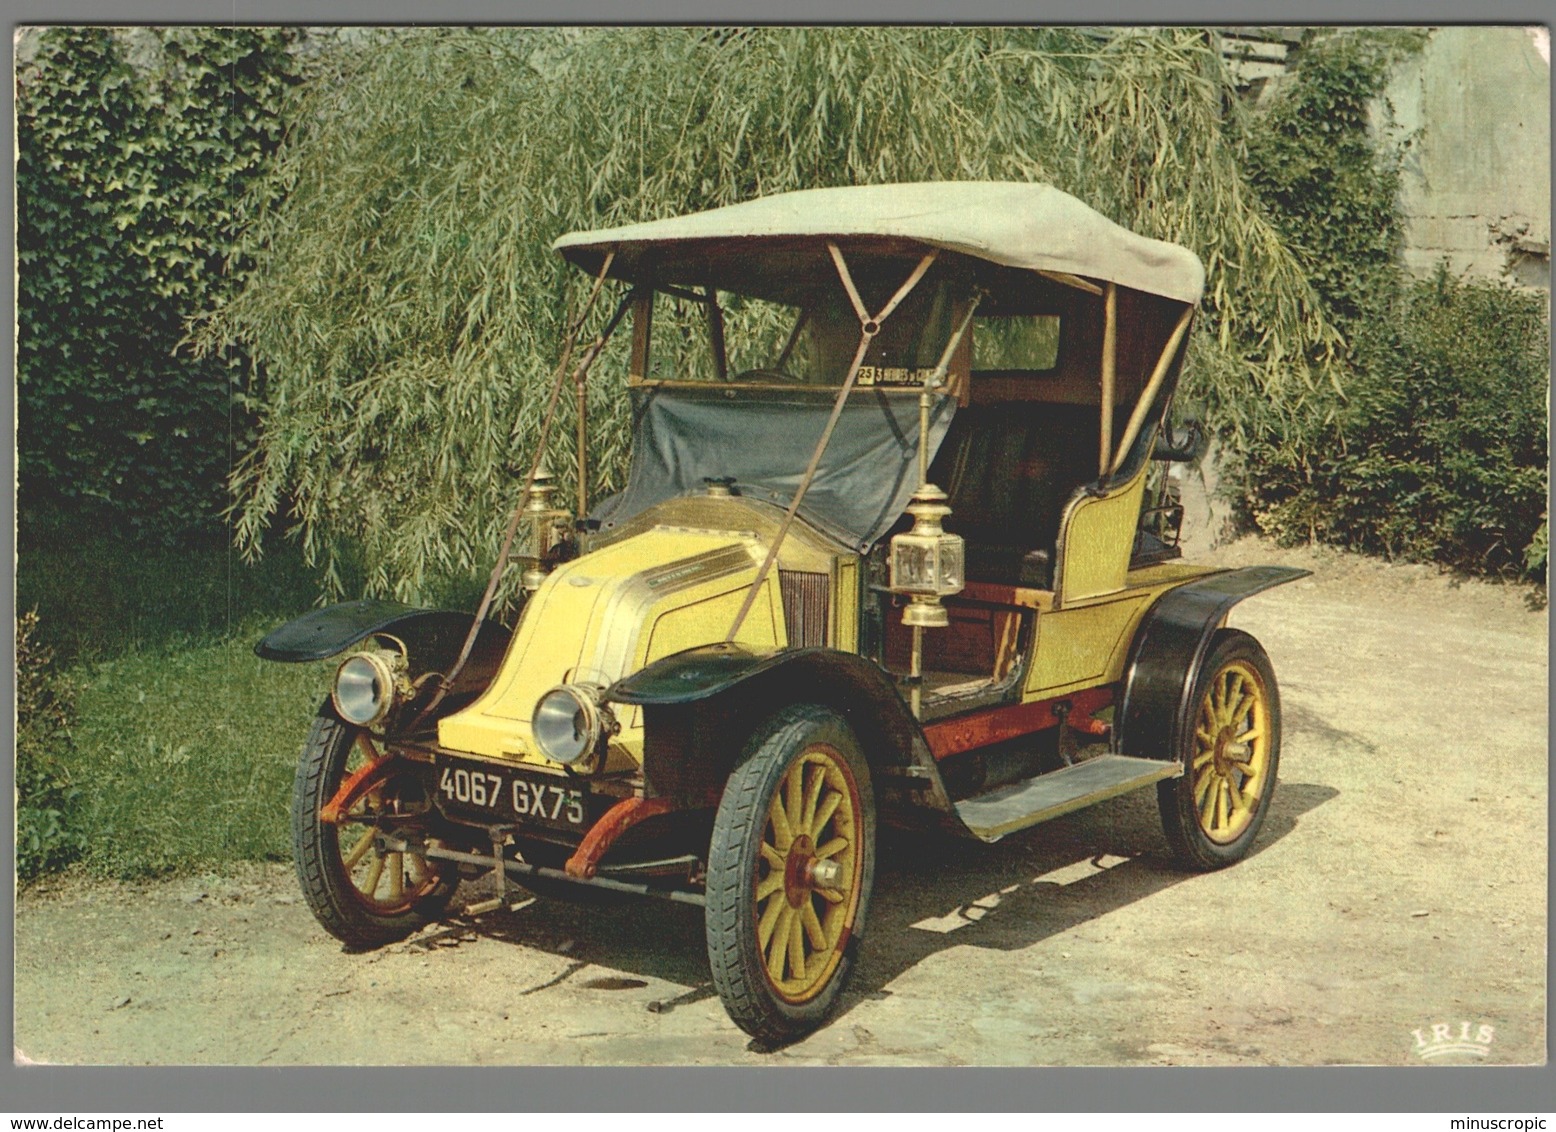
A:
(562, 726)
(360, 692)
(953, 574)
(913, 566)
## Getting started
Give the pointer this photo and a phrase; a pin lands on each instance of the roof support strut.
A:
(1158, 375)
(1109, 377)
(869, 327)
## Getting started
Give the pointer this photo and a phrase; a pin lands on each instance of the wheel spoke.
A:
(830, 895)
(358, 851)
(1253, 734)
(832, 848)
(769, 920)
(796, 945)
(828, 807)
(1223, 795)
(813, 928)
(772, 856)
(1203, 783)
(1208, 800)
(1223, 694)
(813, 797)
(783, 833)
(1237, 801)
(1203, 757)
(1244, 703)
(373, 873)
(1235, 693)
(794, 789)
(780, 944)
(769, 885)
(396, 876)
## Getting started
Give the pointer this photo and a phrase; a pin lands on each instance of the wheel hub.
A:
(1224, 740)
(797, 882)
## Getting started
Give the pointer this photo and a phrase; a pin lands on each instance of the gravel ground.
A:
(1399, 883)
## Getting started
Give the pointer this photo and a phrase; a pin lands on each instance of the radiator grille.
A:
(805, 600)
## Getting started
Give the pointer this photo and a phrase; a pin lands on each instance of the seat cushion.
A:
(1009, 470)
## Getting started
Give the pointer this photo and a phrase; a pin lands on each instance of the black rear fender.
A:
(699, 706)
(1169, 648)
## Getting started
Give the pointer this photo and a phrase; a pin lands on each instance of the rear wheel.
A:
(362, 896)
(1212, 813)
(789, 873)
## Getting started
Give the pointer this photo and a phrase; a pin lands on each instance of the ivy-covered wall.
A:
(127, 181)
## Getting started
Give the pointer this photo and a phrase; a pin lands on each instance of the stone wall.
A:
(1475, 104)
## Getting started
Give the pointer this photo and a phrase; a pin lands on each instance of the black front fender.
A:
(433, 637)
(699, 705)
(701, 672)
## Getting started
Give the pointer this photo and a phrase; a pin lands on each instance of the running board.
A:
(993, 815)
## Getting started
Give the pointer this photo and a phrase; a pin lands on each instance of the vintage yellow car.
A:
(892, 547)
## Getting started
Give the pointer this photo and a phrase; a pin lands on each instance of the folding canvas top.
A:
(1026, 226)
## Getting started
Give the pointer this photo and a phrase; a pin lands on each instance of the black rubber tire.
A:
(1191, 845)
(325, 879)
(734, 950)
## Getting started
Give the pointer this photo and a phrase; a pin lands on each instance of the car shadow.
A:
(943, 891)
(932, 891)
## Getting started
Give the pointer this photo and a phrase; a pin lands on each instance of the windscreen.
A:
(811, 341)
(764, 440)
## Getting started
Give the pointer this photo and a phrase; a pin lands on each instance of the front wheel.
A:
(1212, 813)
(362, 896)
(789, 873)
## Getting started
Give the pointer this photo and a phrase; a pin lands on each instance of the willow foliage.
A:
(406, 308)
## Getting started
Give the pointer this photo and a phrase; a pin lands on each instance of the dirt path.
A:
(1400, 883)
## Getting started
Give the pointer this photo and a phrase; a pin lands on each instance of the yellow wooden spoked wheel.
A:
(807, 889)
(385, 883)
(789, 873)
(1232, 751)
(344, 794)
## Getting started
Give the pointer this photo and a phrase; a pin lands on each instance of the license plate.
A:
(494, 794)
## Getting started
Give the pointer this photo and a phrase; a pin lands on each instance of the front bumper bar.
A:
(394, 843)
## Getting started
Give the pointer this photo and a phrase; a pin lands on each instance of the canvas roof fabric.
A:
(1026, 226)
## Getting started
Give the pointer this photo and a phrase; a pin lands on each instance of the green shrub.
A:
(47, 801)
(1440, 453)
(1538, 553)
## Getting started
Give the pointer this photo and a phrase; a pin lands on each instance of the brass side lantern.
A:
(546, 522)
(927, 564)
(927, 561)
